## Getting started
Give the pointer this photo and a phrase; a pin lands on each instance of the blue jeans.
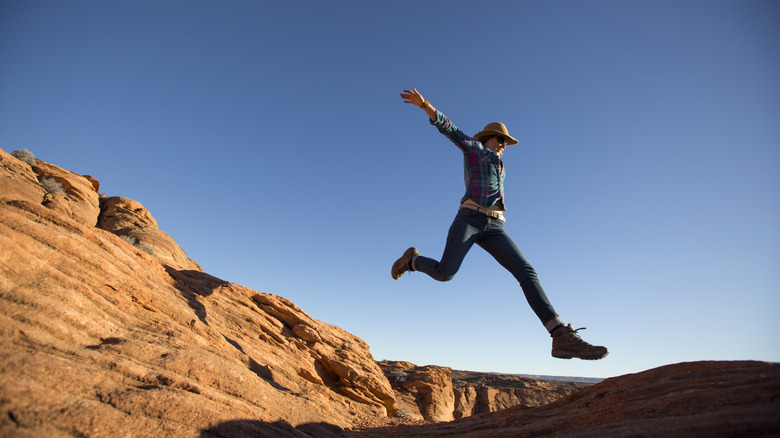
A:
(470, 227)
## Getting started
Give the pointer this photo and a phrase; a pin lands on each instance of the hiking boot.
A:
(568, 344)
(403, 264)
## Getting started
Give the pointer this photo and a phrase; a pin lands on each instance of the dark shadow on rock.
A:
(277, 429)
(193, 284)
(266, 374)
(234, 344)
(261, 371)
(104, 342)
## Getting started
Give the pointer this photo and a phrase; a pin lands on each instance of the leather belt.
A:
(489, 213)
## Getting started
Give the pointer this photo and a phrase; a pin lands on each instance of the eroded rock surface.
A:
(435, 393)
(128, 218)
(101, 338)
(72, 195)
(423, 392)
(695, 399)
(479, 393)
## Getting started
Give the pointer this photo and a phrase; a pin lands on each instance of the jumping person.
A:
(480, 220)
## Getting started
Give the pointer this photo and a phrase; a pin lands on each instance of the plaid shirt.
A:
(483, 169)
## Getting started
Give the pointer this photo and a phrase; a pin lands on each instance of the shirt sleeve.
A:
(445, 126)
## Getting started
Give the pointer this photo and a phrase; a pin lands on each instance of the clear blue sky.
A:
(269, 139)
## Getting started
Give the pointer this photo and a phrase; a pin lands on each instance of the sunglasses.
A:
(501, 140)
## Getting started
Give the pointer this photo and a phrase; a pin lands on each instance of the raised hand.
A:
(413, 96)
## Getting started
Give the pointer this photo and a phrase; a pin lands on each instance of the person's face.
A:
(496, 144)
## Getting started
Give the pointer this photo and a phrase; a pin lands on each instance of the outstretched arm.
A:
(415, 98)
(442, 123)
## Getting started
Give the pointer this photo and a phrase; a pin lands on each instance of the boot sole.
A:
(574, 356)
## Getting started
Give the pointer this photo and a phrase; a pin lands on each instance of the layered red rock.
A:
(338, 359)
(712, 399)
(72, 195)
(478, 393)
(101, 338)
(435, 393)
(423, 392)
(79, 197)
(129, 219)
(18, 181)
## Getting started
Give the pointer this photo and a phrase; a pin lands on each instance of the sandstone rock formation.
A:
(435, 393)
(696, 399)
(100, 338)
(128, 218)
(77, 197)
(422, 392)
(479, 393)
(79, 200)
(337, 359)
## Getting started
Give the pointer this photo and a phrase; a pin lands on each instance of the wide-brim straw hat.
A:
(495, 128)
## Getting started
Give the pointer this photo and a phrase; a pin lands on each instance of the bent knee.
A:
(445, 277)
